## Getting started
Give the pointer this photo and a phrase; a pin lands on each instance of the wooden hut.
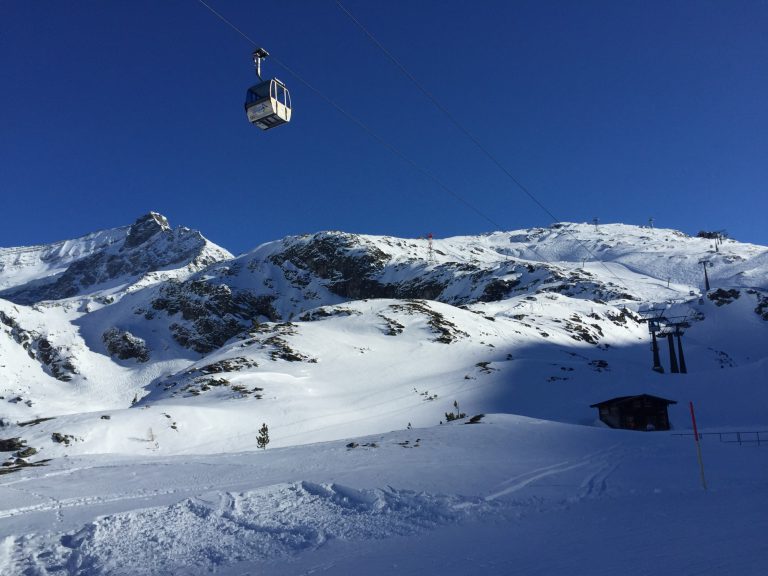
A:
(642, 412)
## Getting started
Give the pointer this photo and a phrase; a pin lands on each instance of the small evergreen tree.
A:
(263, 438)
(458, 415)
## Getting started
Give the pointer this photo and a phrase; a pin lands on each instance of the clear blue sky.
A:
(617, 110)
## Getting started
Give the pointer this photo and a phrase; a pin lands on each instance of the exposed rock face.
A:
(149, 245)
(228, 365)
(125, 345)
(762, 304)
(445, 330)
(497, 289)
(11, 444)
(146, 227)
(220, 304)
(212, 313)
(721, 297)
(354, 269)
(347, 264)
(55, 360)
(59, 363)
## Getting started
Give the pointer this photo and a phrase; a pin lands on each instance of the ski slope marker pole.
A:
(698, 447)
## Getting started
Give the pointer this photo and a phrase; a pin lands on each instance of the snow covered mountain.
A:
(155, 347)
(308, 330)
(102, 260)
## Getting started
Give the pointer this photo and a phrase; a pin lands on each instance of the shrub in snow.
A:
(263, 438)
(11, 444)
(60, 438)
(458, 415)
(26, 452)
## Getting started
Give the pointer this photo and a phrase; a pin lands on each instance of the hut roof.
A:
(626, 399)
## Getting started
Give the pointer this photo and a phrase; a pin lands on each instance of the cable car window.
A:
(258, 92)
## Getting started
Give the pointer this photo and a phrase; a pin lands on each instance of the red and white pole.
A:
(698, 447)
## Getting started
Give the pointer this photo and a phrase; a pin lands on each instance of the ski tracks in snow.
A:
(59, 505)
(214, 529)
(599, 465)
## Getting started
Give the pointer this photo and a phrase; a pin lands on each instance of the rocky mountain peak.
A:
(150, 244)
(145, 227)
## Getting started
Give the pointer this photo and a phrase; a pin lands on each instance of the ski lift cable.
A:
(466, 132)
(442, 108)
(391, 147)
(228, 22)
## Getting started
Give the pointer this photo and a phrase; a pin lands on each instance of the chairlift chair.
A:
(268, 103)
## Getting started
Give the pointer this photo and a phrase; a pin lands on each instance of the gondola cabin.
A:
(268, 104)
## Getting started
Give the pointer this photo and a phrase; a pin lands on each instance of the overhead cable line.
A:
(466, 132)
(395, 150)
(391, 147)
(442, 108)
(229, 23)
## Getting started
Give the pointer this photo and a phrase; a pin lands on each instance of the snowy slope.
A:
(114, 258)
(508, 495)
(315, 331)
(138, 365)
(20, 266)
(52, 365)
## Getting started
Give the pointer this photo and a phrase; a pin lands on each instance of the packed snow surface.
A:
(506, 495)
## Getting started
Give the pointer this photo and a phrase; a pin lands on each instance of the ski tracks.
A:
(59, 505)
(599, 465)
(217, 528)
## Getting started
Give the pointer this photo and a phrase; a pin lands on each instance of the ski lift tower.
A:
(654, 317)
(706, 263)
(667, 332)
(677, 329)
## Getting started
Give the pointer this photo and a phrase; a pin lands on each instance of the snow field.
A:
(509, 491)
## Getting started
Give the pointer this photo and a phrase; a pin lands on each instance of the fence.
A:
(756, 437)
